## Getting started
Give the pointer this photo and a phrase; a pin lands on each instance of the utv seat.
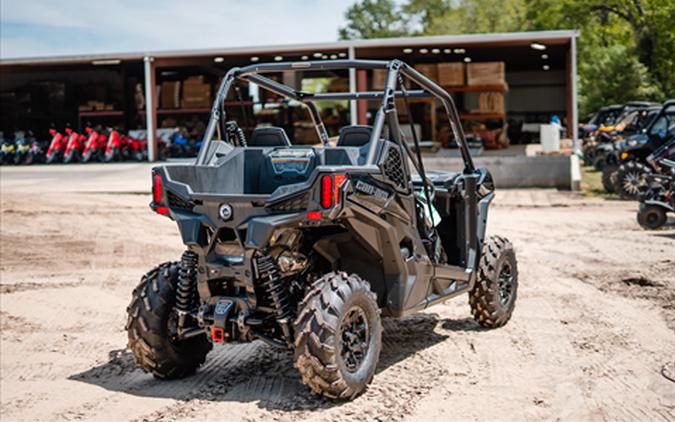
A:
(269, 137)
(354, 136)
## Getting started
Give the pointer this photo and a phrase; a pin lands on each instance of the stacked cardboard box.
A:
(485, 73)
(490, 102)
(196, 93)
(451, 74)
(428, 70)
(379, 78)
(169, 95)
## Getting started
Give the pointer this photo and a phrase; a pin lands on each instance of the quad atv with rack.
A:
(306, 248)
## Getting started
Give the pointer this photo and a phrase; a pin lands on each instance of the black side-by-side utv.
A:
(306, 247)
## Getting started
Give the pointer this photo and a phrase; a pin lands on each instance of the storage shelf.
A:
(481, 116)
(102, 113)
(195, 110)
(477, 88)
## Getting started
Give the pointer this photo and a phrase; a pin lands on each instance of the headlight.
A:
(624, 155)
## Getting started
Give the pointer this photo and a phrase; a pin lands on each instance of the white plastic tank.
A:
(549, 136)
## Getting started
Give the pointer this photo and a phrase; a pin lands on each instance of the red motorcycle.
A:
(116, 148)
(56, 147)
(74, 146)
(137, 148)
(95, 145)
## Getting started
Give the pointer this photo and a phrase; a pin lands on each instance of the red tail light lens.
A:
(330, 189)
(156, 188)
(327, 191)
(157, 195)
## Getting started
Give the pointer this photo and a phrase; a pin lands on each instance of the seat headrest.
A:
(354, 136)
(269, 137)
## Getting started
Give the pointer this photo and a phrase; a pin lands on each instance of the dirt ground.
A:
(594, 323)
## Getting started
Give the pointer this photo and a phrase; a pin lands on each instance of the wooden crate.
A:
(428, 70)
(379, 79)
(451, 74)
(485, 73)
(170, 95)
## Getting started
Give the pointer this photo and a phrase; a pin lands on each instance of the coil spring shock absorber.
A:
(270, 280)
(185, 291)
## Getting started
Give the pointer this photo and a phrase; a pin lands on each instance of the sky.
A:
(39, 28)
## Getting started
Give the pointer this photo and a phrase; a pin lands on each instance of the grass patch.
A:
(591, 184)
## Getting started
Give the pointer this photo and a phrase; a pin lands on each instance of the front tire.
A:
(338, 336)
(651, 217)
(149, 325)
(493, 297)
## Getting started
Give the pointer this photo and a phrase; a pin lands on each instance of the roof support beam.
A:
(150, 106)
(353, 110)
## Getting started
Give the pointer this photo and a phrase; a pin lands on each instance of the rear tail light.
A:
(157, 194)
(217, 334)
(327, 191)
(330, 189)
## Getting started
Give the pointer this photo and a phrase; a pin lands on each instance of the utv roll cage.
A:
(386, 114)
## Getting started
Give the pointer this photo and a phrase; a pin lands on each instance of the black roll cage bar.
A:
(386, 112)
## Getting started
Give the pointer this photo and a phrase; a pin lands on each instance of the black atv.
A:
(306, 248)
(657, 200)
(633, 163)
(607, 153)
(609, 123)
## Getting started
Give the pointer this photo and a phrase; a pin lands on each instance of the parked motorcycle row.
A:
(96, 144)
(634, 146)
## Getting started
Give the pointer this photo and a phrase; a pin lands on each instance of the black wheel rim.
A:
(652, 218)
(355, 337)
(505, 284)
(632, 182)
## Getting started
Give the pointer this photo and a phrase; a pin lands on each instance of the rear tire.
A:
(630, 179)
(599, 162)
(651, 217)
(338, 336)
(150, 315)
(493, 297)
(608, 177)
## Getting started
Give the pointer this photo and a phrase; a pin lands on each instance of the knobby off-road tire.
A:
(493, 297)
(608, 178)
(630, 178)
(149, 315)
(338, 336)
(651, 217)
(599, 162)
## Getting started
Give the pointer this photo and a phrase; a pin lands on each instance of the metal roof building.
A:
(540, 69)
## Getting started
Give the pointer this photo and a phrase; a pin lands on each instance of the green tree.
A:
(477, 16)
(607, 80)
(638, 35)
(373, 19)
